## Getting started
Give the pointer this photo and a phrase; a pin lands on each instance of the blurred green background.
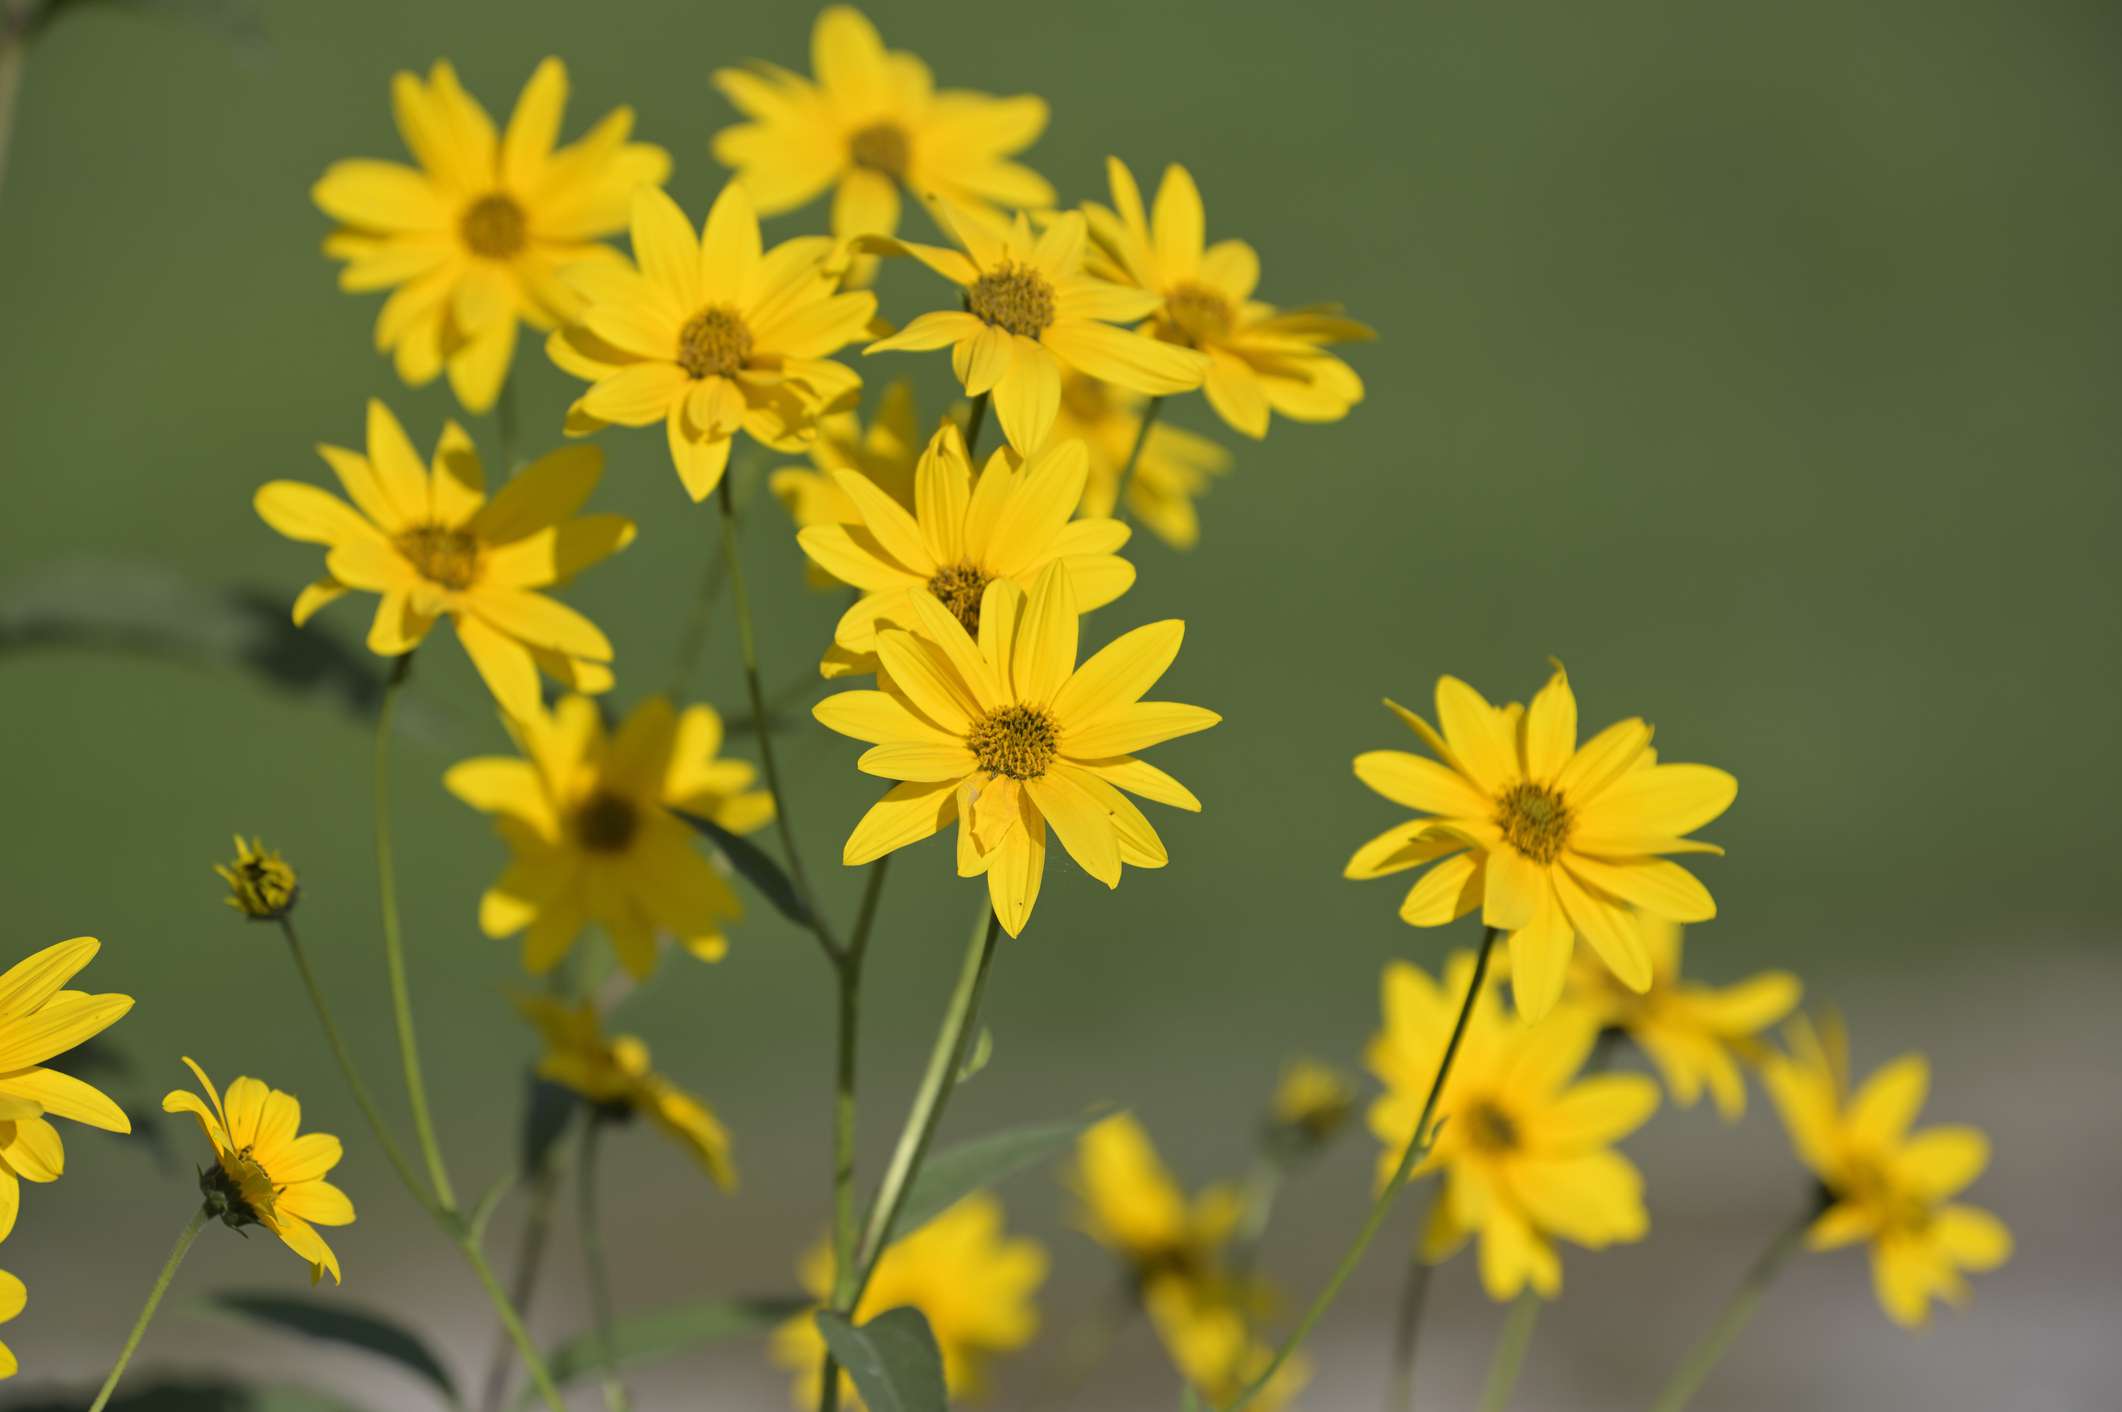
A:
(1757, 361)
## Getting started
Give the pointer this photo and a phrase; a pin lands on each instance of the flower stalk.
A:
(1509, 1356)
(1695, 1369)
(161, 1286)
(1134, 457)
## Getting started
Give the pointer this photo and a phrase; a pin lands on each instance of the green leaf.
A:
(192, 1395)
(659, 1333)
(983, 1050)
(1189, 1400)
(756, 865)
(547, 1110)
(893, 1359)
(958, 1171)
(338, 1323)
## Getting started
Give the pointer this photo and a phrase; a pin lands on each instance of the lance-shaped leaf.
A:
(956, 1172)
(893, 1360)
(756, 866)
(660, 1333)
(336, 1322)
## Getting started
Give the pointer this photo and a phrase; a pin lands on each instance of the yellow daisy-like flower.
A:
(1311, 1102)
(589, 821)
(1174, 470)
(261, 884)
(1551, 840)
(615, 1074)
(972, 1284)
(711, 335)
(476, 238)
(869, 124)
(1008, 735)
(1129, 1202)
(1260, 358)
(431, 544)
(883, 453)
(40, 1020)
(1524, 1145)
(1031, 310)
(1209, 1337)
(1890, 1187)
(964, 533)
(264, 1174)
(1697, 1034)
(14, 1296)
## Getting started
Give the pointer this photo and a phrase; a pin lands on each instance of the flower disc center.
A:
(442, 555)
(1201, 313)
(1534, 821)
(1013, 297)
(881, 147)
(494, 226)
(1491, 1129)
(958, 588)
(607, 822)
(1017, 742)
(714, 343)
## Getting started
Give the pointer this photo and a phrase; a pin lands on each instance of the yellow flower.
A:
(261, 884)
(1696, 1034)
(1008, 735)
(476, 238)
(883, 453)
(614, 1074)
(1551, 841)
(1030, 310)
(38, 1021)
(263, 1174)
(1312, 1101)
(1209, 1337)
(870, 124)
(1260, 358)
(13, 1296)
(964, 533)
(1173, 471)
(431, 544)
(1889, 1186)
(973, 1285)
(1130, 1204)
(710, 335)
(589, 822)
(1522, 1142)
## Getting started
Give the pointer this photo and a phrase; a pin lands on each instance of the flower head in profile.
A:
(964, 533)
(1210, 1335)
(431, 544)
(1260, 359)
(1698, 1035)
(972, 1283)
(261, 884)
(1311, 1103)
(1524, 1144)
(265, 1173)
(710, 335)
(869, 124)
(1551, 839)
(1008, 735)
(1173, 471)
(883, 452)
(40, 1020)
(1129, 1202)
(590, 820)
(1031, 311)
(474, 239)
(615, 1075)
(1886, 1186)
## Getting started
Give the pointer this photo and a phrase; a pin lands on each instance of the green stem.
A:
(600, 1283)
(974, 424)
(376, 1124)
(1417, 1143)
(511, 1321)
(185, 1238)
(1509, 1357)
(1134, 456)
(530, 1262)
(849, 977)
(1704, 1356)
(693, 640)
(1407, 1329)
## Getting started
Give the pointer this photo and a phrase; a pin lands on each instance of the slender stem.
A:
(530, 1262)
(974, 424)
(1704, 1356)
(1134, 456)
(692, 641)
(384, 1138)
(1407, 1328)
(185, 1238)
(1417, 1143)
(849, 977)
(1509, 1357)
(600, 1280)
(511, 1321)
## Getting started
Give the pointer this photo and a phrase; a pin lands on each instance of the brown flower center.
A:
(714, 343)
(1018, 742)
(958, 588)
(1491, 1129)
(1201, 313)
(1013, 297)
(1534, 821)
(442, 555)
(494, 226)
(881, 147)
(606, 822)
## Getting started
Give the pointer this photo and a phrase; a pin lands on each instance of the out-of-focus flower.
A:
(884, 452)
(39, 1020)
(1129, 1202)
(1172, 472)
(1311, 1103)
(1210, 1339)
(615, 1074)
(261, 884)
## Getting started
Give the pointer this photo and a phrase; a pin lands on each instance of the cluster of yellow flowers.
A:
(967, 581)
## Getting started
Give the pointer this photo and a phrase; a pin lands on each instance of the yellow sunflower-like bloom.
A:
(1031, 310)
(1551, 840)
(431, 544)
(40, 1020)
(1129, 1202)
(263, 1173)
(869, 124)
(1173, 471)
(711, 335)
(261, 884)
(964, 533)
(1890, 1187)
(883, 453)
(1008, 735)
(589, 821)
(616, 1074)
(1209, 1337)
(1524, 1145)
(1261, 359)
(475, 239)
(1311, 1102)
(972, 1284)
(14, 1296)
(1697, 1034)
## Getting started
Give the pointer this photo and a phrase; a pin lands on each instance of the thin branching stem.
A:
(1695, 1369)
(185, 1238)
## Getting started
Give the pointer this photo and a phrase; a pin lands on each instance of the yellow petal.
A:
(908, 814)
